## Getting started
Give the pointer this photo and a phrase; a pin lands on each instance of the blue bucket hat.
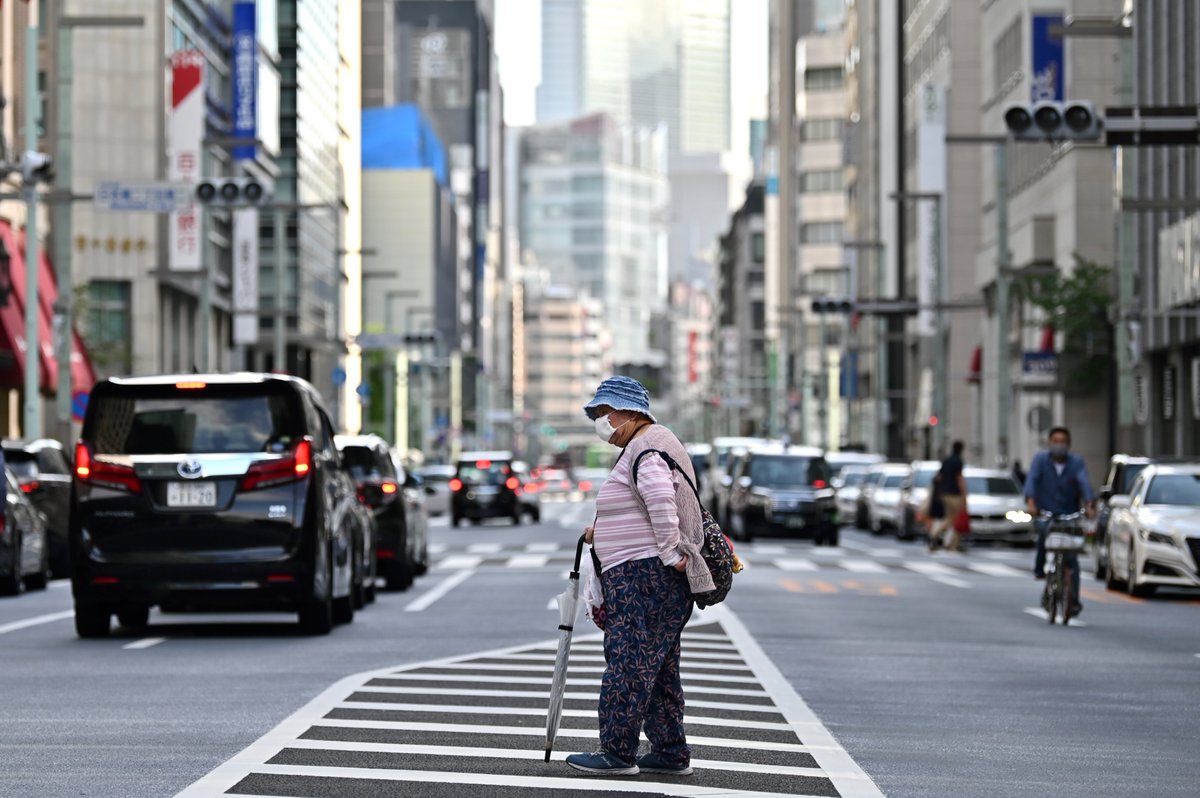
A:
(621, 393)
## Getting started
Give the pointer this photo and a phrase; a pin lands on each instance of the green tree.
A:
(1077, 306)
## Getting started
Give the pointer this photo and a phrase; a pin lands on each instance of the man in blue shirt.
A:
(1058, 482)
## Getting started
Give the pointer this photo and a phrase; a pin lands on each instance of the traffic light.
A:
(828, 304)
(36, 167)
(1076, 120)
(231, 192)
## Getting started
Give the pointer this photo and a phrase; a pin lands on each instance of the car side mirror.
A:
(1119, 501)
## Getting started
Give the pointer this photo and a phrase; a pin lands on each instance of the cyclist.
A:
(1058, 483)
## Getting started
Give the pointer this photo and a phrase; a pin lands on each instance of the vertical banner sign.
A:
(245, 78)
(1195, 386)
(245, 276)
(1046, 52)
(931, 178)
(693, 343)
(185, 136)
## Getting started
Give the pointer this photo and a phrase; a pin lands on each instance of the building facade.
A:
(585, 59)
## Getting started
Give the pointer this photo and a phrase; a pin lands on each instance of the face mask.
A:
(605, 429)
(1059, 450)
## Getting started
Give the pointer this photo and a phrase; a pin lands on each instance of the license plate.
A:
(794, 521)
(191, 494)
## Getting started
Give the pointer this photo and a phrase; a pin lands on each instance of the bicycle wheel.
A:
(1055, 587)
(1068, 595)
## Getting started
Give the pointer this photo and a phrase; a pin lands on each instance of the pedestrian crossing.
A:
(1004, 564)
(476, 725)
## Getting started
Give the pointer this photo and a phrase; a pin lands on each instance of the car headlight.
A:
(1018, 516)
(1160, 538)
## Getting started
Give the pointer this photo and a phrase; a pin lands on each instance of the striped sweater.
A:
(663, 521)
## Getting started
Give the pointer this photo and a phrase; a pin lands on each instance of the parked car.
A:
(699, 453)
(44, 472)
(1122, 471)
(783, 490)
(1154, 531)
(24, 549)
(848, 485)
(401, 545)
(485, 486)
(724, 487)
(883, 504)
(557, 484)
(589, 480)
(913, 494)
(437, 483)
(210, 491)
(996, 505)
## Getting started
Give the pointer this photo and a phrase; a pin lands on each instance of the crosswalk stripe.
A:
(994, 569)
(464, 562)
(795, 564)
(541, 547)
(863, 566)
(485, 548)
(516, 680)
(548, 668)
(528, 561)
(929, 568)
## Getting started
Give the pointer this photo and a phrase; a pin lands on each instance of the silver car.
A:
(883, 505)
(1154, 532)
(913, 494)
(848, 485)
(997, 508)
(437, 488)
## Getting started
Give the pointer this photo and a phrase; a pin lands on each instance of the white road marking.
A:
(484, 548)
(545, 681)
(542, 547)
(929, 568)
(37, 620)
(863, 566)
(527, 561)
(795, 564)
(145, 642)
(459, 562)
(578, 694)
(889, 553)
(952, 581)
(1040, 614)
(704, 636)
(765, 549)
(995, 569)
(866, 548)
(441, 589)
(549, 668)
(438, 548)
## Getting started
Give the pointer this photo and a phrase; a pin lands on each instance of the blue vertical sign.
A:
(245, 78)
(1046, 53)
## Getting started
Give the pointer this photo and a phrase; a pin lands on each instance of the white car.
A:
(883, 505)
(997, 507)
(437, 484)
(913, 494)
(848, 485)
(1154, 532)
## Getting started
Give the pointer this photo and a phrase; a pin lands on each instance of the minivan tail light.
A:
(268, 473)
(512, 483)
(818, 483)
(389, 488)
(29, 487)
(456, 485)
(109, 475)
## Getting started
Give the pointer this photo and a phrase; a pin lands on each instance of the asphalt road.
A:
(925, 671)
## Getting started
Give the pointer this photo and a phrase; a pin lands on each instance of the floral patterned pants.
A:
(647, 605)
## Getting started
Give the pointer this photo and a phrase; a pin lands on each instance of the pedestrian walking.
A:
(1058, 483)
(647, 536)
(952, 488)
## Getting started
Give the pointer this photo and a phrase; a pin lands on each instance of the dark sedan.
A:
(24, 554)
(783, 491)
(44, 472)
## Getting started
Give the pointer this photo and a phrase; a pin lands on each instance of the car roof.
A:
(230, 378)
(975, 471)
(33, 446)
(698, 448)
(921, 465)
(1175, 468)
(855, 458)
(1131, 459)
(444, 469)
(790, 451)
(369, 441)
(733, 440)
(894, 468)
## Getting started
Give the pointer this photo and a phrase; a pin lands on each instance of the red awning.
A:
(975, 374)
(12, 324)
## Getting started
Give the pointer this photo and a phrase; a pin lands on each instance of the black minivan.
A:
(210, 492)
(485, 486)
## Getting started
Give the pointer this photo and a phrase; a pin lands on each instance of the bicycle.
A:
(1064, 536)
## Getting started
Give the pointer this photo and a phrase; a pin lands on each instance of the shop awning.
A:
(12, 324)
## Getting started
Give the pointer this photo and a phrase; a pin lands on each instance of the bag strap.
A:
(674, 466)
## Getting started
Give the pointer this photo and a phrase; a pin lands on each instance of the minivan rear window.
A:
(484, 472)
(224, 420)
(365, 463)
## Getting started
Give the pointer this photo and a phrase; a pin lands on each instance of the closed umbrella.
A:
(568, 605)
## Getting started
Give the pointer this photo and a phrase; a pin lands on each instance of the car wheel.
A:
(343, 608)
(1131, 585)
(908, 529)
(39, 580)
(455, 520)
(421, 567)
(400, 573)
(316, 613)
(92, 622)
(1100, 554)
(876, 526)
(358, 587)
(134, 617)
(516, 517)
(1111, 581)
(834, 536)
(12, 584)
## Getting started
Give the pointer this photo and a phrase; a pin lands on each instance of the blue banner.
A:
(1046, 52)
(245, 78)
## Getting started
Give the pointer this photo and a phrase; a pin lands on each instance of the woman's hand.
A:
(681, 566)
(588, 534)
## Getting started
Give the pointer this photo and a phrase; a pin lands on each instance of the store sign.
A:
(1179, 263)
(931, 216)
(1195, 386)
(245, 78)
(245, 276)
(1039, 369)
(185, 135)
(1141, 398)
(1168, 393)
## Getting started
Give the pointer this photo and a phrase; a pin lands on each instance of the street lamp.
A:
(940, 355)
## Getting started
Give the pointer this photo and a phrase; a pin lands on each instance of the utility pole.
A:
(779, 362)
(32, 422)
(1003, 272)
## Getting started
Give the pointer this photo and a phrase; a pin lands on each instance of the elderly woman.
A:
(647, 537)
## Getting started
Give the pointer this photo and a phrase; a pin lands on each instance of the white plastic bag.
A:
(593, 593)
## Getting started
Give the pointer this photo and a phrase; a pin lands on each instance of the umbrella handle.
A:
(578, 555)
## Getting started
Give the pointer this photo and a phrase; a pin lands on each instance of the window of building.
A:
(824, 79)
(822, 130)
(758, 315)
(758, 247)
(821, 180)
(587, 236)
(1006, 56)
(109, 312)
(821, 233)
